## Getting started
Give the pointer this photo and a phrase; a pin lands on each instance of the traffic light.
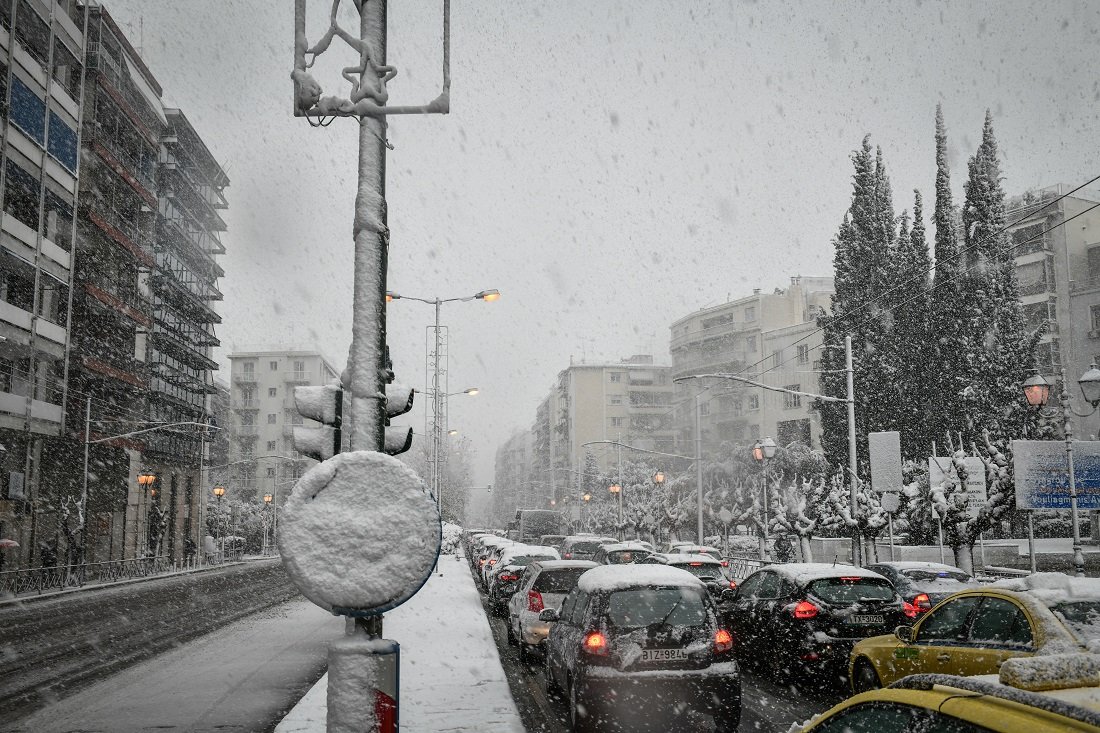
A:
(325, 405)
(399, 400)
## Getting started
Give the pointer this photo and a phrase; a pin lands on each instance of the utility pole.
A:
(699, 464)
(853, 477)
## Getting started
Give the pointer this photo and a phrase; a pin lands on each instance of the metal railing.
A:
(60, 577)
(742, 566)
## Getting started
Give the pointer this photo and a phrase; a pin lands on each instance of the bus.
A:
(531, 524)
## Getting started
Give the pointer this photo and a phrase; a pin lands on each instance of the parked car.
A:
(503, 578)
(544, 584)
(641, 640)
(924, 584)
(963, 705)
(488, 558)
(975, 631)
(802, 619)
(621, 553)
(493, 557)
(582, 547)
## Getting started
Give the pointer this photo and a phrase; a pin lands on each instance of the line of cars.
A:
(671, 627)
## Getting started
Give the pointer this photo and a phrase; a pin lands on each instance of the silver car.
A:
(545, 584)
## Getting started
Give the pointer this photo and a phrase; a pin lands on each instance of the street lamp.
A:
(267, 501)
(436, 446)
(145, 479)
(219, 491)
(659, 477)
(762, 450)
(1037, 392)
(617, 490)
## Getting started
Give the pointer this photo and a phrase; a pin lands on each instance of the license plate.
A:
(866, 618)
(663, 655)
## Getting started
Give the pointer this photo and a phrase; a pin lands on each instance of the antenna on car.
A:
(834, 560)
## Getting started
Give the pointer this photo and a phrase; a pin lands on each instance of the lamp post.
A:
(436, 445)
(762, 450)
(1037, 392)
(267, 502)
(145, 479)
(587, 516)
(617, 490)
(219, 491)
(659, 478)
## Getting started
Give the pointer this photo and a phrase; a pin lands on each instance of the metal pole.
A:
(619, 458)
(437, 438)
(939, 533)
(1031, 540)
(852, 450)
(1067, 427)
(699, 465)
(84, 488)
(764, 491)
(890, 530)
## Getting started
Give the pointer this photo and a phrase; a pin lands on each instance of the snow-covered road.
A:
(243, 677)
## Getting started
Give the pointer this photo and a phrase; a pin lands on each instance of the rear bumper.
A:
(714, 690)
(534, 633)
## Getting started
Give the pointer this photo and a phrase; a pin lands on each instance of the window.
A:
(66, 69)
(776, 358)
(750, 344)
(616, 399)
(754, 402)
(271, 445)
(791, 401)
(948, 622)
(32, 31)
(580, 605)
(62, 143)
(876, 717)
(246, 421)
(296, 418)
(246, 452)
(1094, 264)
(750, 314)
(247, 396)
(803, 354)
(1000, 623)
(1094, 313)
(769, 586)
(273, 365)
(59, 220)
(271, 418)
(299, 366)
(616, 422)
(704, 409)
(28, 111)
(249, 368)
(21, 192)
(271, 472)
(616, 377)
(272, 391)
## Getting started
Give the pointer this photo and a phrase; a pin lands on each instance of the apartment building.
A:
(264, 418)
(1058, 270)
(764, 336)
(512, 485)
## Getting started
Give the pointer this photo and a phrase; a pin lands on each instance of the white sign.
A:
(1041, 468)
(940, 468)
(15, 485)
(891, 501)
(885, 454)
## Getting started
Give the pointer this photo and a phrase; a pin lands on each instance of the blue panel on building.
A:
(62, 142)
(28, 111)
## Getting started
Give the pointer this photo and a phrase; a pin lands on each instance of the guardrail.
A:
(60, 577)
(741, 566)
(999, 572)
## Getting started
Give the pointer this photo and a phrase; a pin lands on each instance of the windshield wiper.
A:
(671, 611)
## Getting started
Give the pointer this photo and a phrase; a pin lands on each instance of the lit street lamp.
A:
(219, 491)
(762, 450)
(267, 502)
(145, 479)
(1037, 392)
(659, 478)
(617, 490)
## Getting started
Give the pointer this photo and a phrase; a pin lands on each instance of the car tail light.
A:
(851, 578)
(595, 643)
(724, 563)
(534, 601)
(804, 610)
(567, 556)
(922, 602)
(723, 641)
(909, 609)
(695, 564)
(508, 578)
(492, 562)
(733, 585)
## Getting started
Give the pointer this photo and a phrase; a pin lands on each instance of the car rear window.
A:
(558, 581)
(702, 570)
(528, 559)
(641, 607)
(851, 590)
(935, 575)
(623, 557)
(1082, 618)
(585, 546)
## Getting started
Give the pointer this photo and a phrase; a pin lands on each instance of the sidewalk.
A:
(451, 675)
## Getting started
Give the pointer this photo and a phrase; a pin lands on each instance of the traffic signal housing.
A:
(399, 400)
(325, 405)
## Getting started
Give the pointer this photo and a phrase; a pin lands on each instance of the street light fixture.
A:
(267, 502)
(1037, 392)
(659, 477)
(219, 491)
(145, 479)
(762, 450)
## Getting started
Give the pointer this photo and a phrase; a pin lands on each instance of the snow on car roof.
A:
(530, 550)
(805, 572)
(563, 564)
(616, 546)
(682, 558)
(917, 565)
(619, 577)
(1053, 588)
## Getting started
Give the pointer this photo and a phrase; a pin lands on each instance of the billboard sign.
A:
(940, 468)
(885, 453)
(1041, 469)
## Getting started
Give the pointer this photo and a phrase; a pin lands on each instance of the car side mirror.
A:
(905, 634)
(549, 614)
(729, 595)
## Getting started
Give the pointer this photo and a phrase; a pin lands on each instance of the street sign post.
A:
(941, 467)
(885, 456)
(1041, 468)
(891, 502)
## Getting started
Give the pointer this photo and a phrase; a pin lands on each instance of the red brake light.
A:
(724, 563)
(851, 579)
(909, 610)
(723, 641)
(804, 610)
(922, 602)
(695, 564)
(733, 585)
(509, 578)
(534, 601)
(492, 562)
(595, 643)
(567, 556)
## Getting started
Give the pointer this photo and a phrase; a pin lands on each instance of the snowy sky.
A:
(609, 166)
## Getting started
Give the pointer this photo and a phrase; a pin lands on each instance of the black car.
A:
(924, 584)
(801, 618)
(641, 641)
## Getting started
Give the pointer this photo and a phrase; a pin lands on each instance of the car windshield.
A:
(701, 570)
(1081, 617)
(933, 576)
(634, 609)
(851, 590)
(558, 581)
(585, 546)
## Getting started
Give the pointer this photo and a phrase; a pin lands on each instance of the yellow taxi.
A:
(949, 704)
(974, 632)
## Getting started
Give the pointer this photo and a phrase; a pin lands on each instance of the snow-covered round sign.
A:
(360, 533)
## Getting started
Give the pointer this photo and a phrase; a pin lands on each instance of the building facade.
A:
(512, 485)
(261, 449)
(759, 336)
(1058, 270)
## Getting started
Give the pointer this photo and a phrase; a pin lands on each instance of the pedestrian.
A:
(784, 551)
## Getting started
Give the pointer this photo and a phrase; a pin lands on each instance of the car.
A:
(641, 640)
(582, 547)
(552, 540)
(802, 619)
(952, 704)
(621, 553)
(704, 567)
(974, 632)
(924, 584)
(492, 557)
(544, 584)
(501, 580)
(694, 549)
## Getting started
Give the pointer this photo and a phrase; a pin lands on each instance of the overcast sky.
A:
(609, 166)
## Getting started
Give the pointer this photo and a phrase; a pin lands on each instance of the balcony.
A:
(245, 378)
(1084, 285)
(1034, 288)
(247, 405)
(298, 377)
(246, 433)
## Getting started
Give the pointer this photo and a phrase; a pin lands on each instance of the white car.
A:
(545, 584)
